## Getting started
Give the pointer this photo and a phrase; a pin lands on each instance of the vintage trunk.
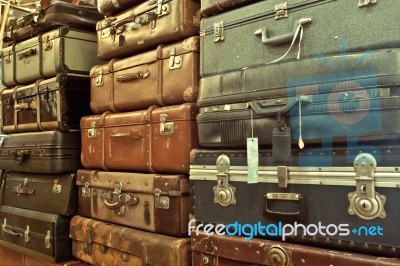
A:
(152, 140)
(316, 102)
(53, 104)
(147, 25)
(157, 203)
(107, 7)
(213, 7)
(100, 243)
(353, 209)
(55, 15)
(168, 75)
(237, 251)
(38, 234)
(263, 32)
(56, 194)
(63, 50)
(48, 152)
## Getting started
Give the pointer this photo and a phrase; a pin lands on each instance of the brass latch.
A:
(56, 187)
(365, 202)
(160, 202)
(47, 240)
(366, 2)
(175, 61)
(224, 193)
(100, 79)
(92, 132)
(86, 190)
(218, 31)
(281, 10)
(26, 234)
(166, 128)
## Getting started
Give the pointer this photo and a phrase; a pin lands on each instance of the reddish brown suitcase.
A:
(157, 203)
(168, 75)
(147, 25)
(228, 250)
(100, 243)
(158, 139)
(212, 7)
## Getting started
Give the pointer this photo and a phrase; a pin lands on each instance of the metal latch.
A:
(56, 187)
(100, 79)
(47, 240)
(26, 234)
(86, 190)
(365, 202)
(117, 201)
(209, 257)
(160, 202)
(281, 10)
(218, 31)
(276, 255)
(92, 132)
(175, 61)
(166, 128)
(366, 2)
(224, 193)
(283, 176)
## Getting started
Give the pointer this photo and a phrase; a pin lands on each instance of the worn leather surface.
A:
(212, 7)
(109, 7)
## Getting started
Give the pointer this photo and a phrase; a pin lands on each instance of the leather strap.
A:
(111, 87)
(103, 145)
(150, 140)
(160, 76)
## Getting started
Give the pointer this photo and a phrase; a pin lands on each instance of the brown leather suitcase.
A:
(147, 25)
(158, 139)
(212, 7)
(100, 243)
(157, 203)
(168, 75)
(226, 250)
(53, 104)
(107, 7)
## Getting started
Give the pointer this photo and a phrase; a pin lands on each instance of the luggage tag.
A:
(252, 156)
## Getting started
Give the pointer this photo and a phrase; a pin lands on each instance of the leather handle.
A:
(285, 216)
(27, 53)
(283, 38)
(133, 76)
(136, 134)
(123, 199)
(24, 190)
(20, 156)
(22, 106)
(11, 232)
(136, 21)
(265, 109)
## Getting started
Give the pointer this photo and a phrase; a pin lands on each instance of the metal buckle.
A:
(175, 61)
(166, 128)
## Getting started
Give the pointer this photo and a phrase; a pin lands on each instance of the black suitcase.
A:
(56, 194)
(55, 15)
(57, 103)
(47, 152)
(307, 100)
(38, 234)
(354, 208)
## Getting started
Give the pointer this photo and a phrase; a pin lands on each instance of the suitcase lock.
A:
(224, 193)
(365, 202)
(277, 256)
(122, 200)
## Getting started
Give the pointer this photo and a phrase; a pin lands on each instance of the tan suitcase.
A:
(168, 75)
(147, 25)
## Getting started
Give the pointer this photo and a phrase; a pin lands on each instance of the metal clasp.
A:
(56, 187)
(160, 202)
(224, 193)
(26, 234)
(283, 176)
(281, 10)
(47, 240)
(365, 202)
(86, 190)
(100, 79)
(362, 3)
(166, 128)
(175, 61)
(218, 31)
(92, 132)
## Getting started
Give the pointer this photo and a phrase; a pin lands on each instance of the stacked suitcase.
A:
(133, 194)
(45, 72)
(299, 147)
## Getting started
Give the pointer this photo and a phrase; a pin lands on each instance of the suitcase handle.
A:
(24, 190)
(123, 199)
(132, 76)
(136, 134)
(285, 216)
(10, 232)
(29, 52)
(264, 107)
(281, 39)
(20, 156)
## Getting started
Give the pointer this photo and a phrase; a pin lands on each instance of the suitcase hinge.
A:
(87, 245)
(218, 31)
(160, 202)
(92, 132)
(26, 234)
(86, 190)
(365, 202)
(47, 240)
(209, 257)
(276, 255)
(362, 3)
(283, 176)
(175, 61)
(166, 128)
(56, 187)
(100, 79)
(281, 10)
(224, 193)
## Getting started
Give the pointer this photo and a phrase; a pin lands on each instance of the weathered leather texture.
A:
(39, 234)
(156, 203)
(147, 25)
(47, 152)
(53, 104)
(168, 75)
(63, 50)
(55, 194)
(158, 139)
(109, 7)
(100, 243)
(233, 250)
